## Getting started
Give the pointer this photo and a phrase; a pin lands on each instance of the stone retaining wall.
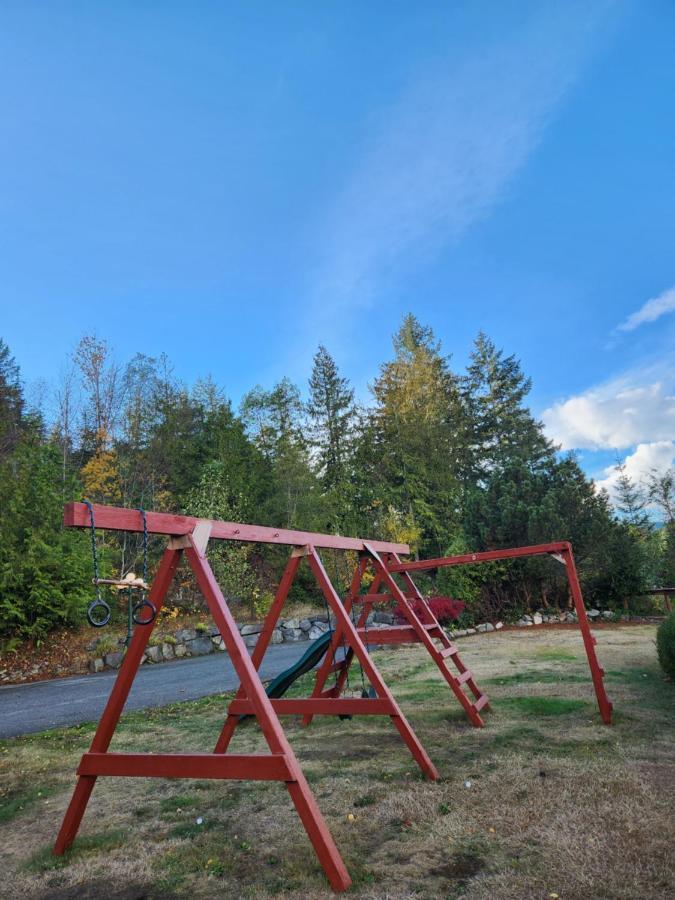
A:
(203, 640)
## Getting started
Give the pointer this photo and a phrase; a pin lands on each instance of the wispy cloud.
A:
(651, 311)
(636, 407)
(439, 159)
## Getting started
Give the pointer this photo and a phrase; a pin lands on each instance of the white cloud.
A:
(440, 158)
(651, 311)
(658, 456)
(638, 407)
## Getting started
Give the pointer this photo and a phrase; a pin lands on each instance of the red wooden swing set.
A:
(189, 537)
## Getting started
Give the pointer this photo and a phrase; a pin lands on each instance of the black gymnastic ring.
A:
(137, 610)
(91, 618)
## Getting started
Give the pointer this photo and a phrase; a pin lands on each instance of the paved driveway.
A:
(70, 701)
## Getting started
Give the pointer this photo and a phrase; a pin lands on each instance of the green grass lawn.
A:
(544, 800)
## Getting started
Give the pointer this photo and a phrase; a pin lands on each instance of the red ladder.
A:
(416, 631)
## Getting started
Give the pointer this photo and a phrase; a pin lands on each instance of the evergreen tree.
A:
(416, 448)
(630, 499)
(501, 429)
(661, 492)
(45, 572)
(275, 420)
(332, 416)
(11, 401)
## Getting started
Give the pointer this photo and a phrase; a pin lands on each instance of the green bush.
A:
(665, 645)
(45, 570)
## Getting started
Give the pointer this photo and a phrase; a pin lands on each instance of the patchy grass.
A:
(537, 676)
(44, 860)
(16, 801)
(544, 799)
(545, 706)
(554, 653)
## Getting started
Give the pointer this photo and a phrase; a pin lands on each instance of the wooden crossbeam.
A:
(419, 565)
(76, 515)
(317, 706)
(249, 767)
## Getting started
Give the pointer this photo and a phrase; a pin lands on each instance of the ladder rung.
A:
(464, 677)
(449, 651)
(480, 703)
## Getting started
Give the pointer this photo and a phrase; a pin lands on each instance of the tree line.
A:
(445, 461)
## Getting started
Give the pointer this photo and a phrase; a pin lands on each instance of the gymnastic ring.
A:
(93, 619)
(138, 607)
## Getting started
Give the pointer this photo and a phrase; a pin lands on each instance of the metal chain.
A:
(143, 603)
(99, 603)
(145, 548)
(93, 545)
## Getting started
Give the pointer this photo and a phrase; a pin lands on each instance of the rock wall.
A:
(201, 641)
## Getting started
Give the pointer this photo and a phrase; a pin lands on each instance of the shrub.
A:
(665, 645)
(446, 609)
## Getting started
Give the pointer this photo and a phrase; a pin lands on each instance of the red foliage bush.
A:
(446, 609)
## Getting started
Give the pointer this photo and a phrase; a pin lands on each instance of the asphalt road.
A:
(25, 708)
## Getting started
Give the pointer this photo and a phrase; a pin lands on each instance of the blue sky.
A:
(235, 182)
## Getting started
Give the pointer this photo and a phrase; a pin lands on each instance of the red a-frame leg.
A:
(371, 672)
(326, 703)
(329, 663)
(597, 672)
(297, 785)
(279, 765)
(449, 651)
(115, 705)
(263, 642)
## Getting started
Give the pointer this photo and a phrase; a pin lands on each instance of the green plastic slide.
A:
(312, 655)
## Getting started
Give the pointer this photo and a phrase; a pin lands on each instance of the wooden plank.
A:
(252, 766)
(481, 702)
(76, 515)
(393, 634)
(486, 556)
(317, 706)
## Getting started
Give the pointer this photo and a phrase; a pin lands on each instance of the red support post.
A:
(370, 670)
(426, 632)
(328, 663)
(560, 550)
(115, 705)
(297, 785)
(597, 672)
(263, 642)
